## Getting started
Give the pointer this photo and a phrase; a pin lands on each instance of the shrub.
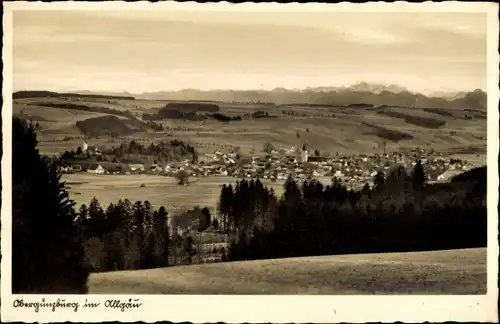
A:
(182, 177)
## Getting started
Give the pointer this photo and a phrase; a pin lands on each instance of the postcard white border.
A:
(266, 308)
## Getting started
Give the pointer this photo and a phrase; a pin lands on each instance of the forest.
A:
(400, 213)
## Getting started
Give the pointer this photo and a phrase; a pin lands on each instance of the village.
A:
(354, 170)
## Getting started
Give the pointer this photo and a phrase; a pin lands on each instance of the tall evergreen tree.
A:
(163, 220)
(418, 176)
(223, 206)
(292, 192)
(83, 213)
(43, 223)
(95, 222)
(379, 180)
(205, 220)
(148, 215)
(366, 190)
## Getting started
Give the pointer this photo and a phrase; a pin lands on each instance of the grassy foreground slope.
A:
(436, 272)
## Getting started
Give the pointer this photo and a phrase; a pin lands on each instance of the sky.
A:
(144, 51)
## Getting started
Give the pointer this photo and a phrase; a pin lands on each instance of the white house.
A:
(66, 168)
(155, 168)
(96, 168)
(136, 167)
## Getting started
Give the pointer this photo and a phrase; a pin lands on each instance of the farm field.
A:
(437, 272)
(334, 129)
(158, 190)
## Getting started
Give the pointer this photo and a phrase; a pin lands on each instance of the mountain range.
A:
(361, 93)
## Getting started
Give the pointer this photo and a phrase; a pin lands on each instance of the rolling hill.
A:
(437, 272)
(109, 125)
(343, 120)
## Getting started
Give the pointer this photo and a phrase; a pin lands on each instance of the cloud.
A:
(226, 47)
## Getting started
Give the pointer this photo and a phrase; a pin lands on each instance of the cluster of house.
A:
(353, 169)
(108, 168)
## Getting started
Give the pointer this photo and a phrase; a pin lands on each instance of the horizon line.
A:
(328, 89)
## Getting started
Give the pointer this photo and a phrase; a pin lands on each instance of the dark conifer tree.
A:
(189, 249)
(140, 233)
(225, 206)
(205, 220)
(292, 192)
(379, 180)
(162, 223)
(47, 247)
(125, 208)
(148, 216)
(83, 213)
(418, 176)
(366, 190)
(94, 224)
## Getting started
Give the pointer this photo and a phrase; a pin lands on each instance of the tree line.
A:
(72, 106)
(125, 236)
(415, 120)
(164, 151)
(48, 94)
(387, 134)
(400, 213)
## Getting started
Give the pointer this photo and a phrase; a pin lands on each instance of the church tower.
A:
(304, 156)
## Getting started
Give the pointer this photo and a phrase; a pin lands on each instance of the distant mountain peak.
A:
(377, 88)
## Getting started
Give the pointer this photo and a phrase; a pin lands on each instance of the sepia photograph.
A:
(212, 149)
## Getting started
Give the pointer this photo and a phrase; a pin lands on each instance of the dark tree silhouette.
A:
(162, 227)
(189, 249)
(47, 247)
(311, 219)
(418, 176)
(379, 180)
(366, 190)
(182, 177)
(267, 147)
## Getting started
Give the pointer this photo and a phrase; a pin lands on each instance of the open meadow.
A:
(437, 272)
(158, 190)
